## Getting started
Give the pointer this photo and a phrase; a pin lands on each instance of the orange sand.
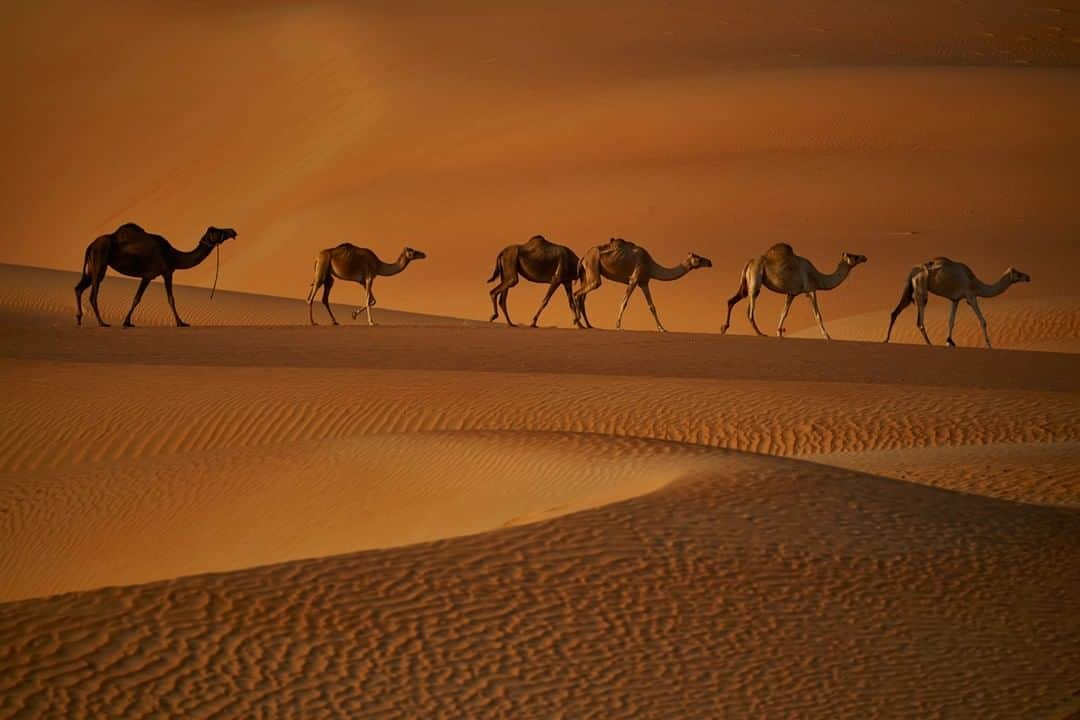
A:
(450, 520)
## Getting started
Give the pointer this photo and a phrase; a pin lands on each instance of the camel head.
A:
(694, 261)
(1016, 276)
(410, 254)
(852, 259)
(214, 236)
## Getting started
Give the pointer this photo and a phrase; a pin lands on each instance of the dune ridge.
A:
(155, 518)
(241, 407)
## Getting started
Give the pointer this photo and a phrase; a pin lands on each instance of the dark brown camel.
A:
(134, 252)
(537, 261)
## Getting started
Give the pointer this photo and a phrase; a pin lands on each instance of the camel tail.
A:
(85, 259)
(744, 287)
(497, 272)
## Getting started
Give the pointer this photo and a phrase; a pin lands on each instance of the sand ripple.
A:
(771, 589)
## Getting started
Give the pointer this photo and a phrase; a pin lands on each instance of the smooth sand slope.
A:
(459, 521)
(1040, 323)
(37, 297)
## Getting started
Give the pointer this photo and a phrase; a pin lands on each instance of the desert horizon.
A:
(444, 517)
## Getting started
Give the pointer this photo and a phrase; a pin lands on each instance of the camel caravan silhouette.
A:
(132, 251)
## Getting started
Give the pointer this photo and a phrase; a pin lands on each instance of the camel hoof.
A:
(129, 324)
(103, 324)
(182, 324)
(950, 343)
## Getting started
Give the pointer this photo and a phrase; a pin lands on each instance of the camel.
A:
(954, 281)
(132, 251)
(632, 265)
(784, 272)
(537, 261)
(349, 262)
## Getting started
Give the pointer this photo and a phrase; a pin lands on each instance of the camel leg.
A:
(974, 303)
(735, 300)
(321, 275)
(80, 287)
(625, 301)
(817, 315)
(326, 298)
(543, 303)
(952, 322)
(367, 299)
(502, 305)
(494, 292)
(783, 315)
(98, 274)
(905, 300)
(920, 305)
(500, 291)
(751, 310)
(370, 300)
(652, 308)
(568, 287)
(172, 300)
(498, 298)
(580, 299)
(311, 303)
(134, 303)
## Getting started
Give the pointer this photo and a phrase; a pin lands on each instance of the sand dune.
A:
(442, 518)
(132, 522)
(87, 417)
(758, 588)
(550, 520)
(37, 297)
(1051, 324)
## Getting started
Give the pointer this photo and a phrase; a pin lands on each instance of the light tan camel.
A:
(348, 262)
(953, 281)
(784, 272)
(538, 261)
(632, 265)
(134, 252)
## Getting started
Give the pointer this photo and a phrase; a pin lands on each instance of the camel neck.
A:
(828, 282)
(182, 260)
(984, 290)
(395, 267)
(659, 272)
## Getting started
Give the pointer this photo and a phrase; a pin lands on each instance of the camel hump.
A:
(129, 227)
(536, 241)
(779, 250)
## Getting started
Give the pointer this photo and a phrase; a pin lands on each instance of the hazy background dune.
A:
(901, 132)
